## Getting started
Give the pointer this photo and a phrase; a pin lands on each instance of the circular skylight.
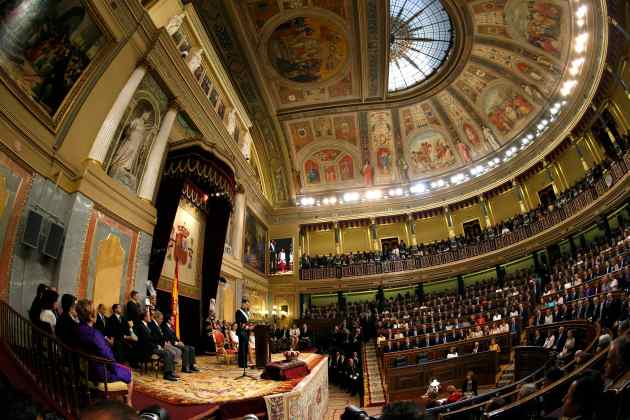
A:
(421, 36)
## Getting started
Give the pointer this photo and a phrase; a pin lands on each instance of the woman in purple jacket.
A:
(92, 341)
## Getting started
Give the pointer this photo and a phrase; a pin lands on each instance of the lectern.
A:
(263, 355)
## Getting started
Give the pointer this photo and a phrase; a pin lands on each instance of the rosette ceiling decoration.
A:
(375, 99)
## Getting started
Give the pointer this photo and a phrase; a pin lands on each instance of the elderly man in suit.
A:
(187, 352)
(147, 345)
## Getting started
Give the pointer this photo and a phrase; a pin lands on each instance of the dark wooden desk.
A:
(411, 382)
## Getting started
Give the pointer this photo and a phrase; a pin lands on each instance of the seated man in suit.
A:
(158, 336)
(148, 346)
(188, 352)
(121, 332)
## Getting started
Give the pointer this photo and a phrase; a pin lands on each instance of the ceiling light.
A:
(418, 188)
(580, 42)
(373, 194)
(440, 183)
(332, 200)
(567, 87)
(580, 13)
(351, 196)
(307, 201)
(576, 65)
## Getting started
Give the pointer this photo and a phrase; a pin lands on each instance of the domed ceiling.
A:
(381, 93)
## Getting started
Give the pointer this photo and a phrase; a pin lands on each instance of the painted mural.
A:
(186, 244)
(301, 134)
(261, 11)
(108, 260)
(418, 116)
(539, 23)
(381, 136)
(540, 82)
(255, 242)
(329, 166)
(430, 152)
(307, 49)
(505, 108)
(46, 46)
(335, 6)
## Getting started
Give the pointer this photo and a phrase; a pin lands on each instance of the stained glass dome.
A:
(420, 40)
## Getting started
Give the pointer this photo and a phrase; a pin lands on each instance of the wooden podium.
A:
(263, 355)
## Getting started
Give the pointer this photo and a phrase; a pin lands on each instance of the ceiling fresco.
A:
(320, 67)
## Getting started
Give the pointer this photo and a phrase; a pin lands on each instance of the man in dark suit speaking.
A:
(242, 320)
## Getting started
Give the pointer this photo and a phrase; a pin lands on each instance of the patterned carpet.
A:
(215, 383)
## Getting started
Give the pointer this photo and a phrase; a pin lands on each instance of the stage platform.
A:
(216, 389)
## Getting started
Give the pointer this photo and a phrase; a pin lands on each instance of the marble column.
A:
(156, 155)
(239, 222)
(485, 210)
(520, 196)
(105, 135)
(580, 153)
(376, 246)
(551, 178)
(337, 239)
(448, 218)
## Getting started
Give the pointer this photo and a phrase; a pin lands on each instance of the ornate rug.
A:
(215, 383)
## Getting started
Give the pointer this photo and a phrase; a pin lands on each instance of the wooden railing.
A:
(617, 171)
(420, 341)
(409, 382)
(418, 355)
(474, 408)
(59, 372)
(548, 398)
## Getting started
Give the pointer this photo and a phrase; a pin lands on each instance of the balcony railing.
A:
(617, 170)
(59, 372)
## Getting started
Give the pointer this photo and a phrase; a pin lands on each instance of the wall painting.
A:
(46, 46)
(307, 49)
(255, 242)
(186, 244)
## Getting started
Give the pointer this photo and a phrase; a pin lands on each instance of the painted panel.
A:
(107, 264)
(355, 239)
(381, 137)
(431, 229)
(46, 47)
(255, 242)
(571, 166)
(321, 242)
(504, 205)
(186, 244)
(308, 49)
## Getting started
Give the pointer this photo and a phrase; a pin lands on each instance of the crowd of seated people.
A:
(483, 310)
(128, 340)
(403, 251)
